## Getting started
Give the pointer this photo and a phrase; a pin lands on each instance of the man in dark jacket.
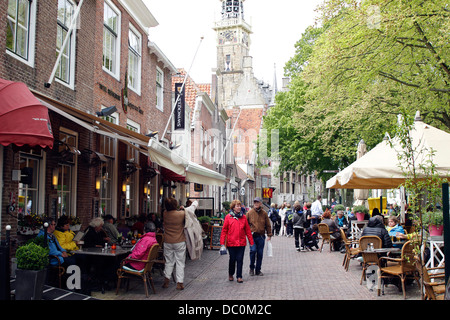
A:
(375, 227)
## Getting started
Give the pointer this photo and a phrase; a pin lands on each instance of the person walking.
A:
(288, 221)
(316, 210)
(235, 232)
(299, 220)
(274, 217)
(259, 224)
(282, 214)
(174, 242)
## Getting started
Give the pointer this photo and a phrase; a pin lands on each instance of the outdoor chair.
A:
(160, 261)
(350, 252)
(144, 274)
(433, 280)
(404, 267)
(58, 269)
(369, 258)
(324, 231)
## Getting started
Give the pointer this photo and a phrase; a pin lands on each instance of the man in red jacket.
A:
(235, 232)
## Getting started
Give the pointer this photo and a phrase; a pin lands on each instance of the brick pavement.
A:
(288, 275)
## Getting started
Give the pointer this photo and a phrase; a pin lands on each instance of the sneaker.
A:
(298, 249)
(251, 272)
(259, 274)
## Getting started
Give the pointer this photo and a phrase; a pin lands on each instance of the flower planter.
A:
(29, 284)
(436, 230)
(360, 216)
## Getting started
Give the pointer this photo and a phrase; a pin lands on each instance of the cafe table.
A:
(101, 255)
(382, 251)
(103, 252)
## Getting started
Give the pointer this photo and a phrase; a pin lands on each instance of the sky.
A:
(276, 25)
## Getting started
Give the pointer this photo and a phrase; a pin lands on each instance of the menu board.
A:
(215, 237)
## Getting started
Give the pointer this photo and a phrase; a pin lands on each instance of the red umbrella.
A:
(23, 119)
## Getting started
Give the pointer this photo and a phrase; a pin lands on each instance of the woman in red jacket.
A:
(235, 233)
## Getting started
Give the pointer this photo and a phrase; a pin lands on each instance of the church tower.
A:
(233, 44)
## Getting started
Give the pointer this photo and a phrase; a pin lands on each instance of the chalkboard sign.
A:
(215, 237)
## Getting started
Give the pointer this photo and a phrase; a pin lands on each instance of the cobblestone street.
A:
(288, 275)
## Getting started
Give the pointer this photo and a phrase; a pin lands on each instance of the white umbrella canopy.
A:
(380, 168)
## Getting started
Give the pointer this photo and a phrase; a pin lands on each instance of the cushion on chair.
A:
(133, 270)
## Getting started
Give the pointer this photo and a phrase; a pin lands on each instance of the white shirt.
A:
(316, 208)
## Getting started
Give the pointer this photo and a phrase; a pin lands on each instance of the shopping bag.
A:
(269, 248)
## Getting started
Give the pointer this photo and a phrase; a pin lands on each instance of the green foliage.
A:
(433, 218)
(204, 219)
(226, 205)
(360, 209)
(32, 257)
(339, 207)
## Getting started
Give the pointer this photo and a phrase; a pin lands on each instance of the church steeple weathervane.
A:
(232, 9)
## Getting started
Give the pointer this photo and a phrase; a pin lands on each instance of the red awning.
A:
(171, 176)
(23, 119)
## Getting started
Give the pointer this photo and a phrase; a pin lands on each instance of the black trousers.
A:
(236, 261)
(298, 235)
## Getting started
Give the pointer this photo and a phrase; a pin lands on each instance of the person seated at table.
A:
(110, 229)
(156, 220)
(333, 227)
(393, 228)
(341, 220)
(123, 228)
(65, 235)
(142, 247)
(375, 212)
(375, 227)
(54, 247)
(95, 235)
(138, 226)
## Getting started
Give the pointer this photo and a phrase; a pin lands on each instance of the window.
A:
(134, 60)
(228, 62)
(66, 170)
(65, 16)
(20, 30)
(159, 89)
(111, 30)
(29, 192)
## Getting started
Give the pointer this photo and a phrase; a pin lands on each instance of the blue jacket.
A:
(54, 247)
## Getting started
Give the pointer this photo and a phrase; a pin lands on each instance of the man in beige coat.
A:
(193, 231)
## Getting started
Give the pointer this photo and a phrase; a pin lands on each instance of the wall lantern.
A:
(97, 183)
(55, 174)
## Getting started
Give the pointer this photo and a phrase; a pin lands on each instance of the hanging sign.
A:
(179, 108)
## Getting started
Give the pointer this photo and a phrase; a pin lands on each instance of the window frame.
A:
(133, 53)
(117, 34)
(31, 35)
(71, 55)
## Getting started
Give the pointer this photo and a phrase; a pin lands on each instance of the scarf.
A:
(236, 215)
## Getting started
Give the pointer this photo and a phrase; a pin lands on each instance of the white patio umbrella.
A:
(380, 168)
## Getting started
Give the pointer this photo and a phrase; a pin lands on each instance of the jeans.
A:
(236, 261)
(256, 252)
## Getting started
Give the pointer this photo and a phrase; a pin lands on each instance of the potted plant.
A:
(434, 220)
(360, 212)
(339, 207)
(32, 261)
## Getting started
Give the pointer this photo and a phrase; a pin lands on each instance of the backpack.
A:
(289, 215)
(273, 215)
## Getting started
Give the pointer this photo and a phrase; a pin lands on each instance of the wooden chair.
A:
(350, 252)
(160, 260)
(58, 269)
(369, 258)
(324, 231)
(144, 274)
(403, 267)
(434, 290)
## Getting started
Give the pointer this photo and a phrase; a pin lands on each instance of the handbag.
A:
(269, 249)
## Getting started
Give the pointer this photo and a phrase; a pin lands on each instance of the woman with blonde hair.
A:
(235, 232)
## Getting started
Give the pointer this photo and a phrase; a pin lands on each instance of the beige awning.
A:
(166, 158)
(380, 168)
(200, 174)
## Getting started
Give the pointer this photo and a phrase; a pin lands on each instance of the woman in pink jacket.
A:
(141, 249)
(235, 232)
